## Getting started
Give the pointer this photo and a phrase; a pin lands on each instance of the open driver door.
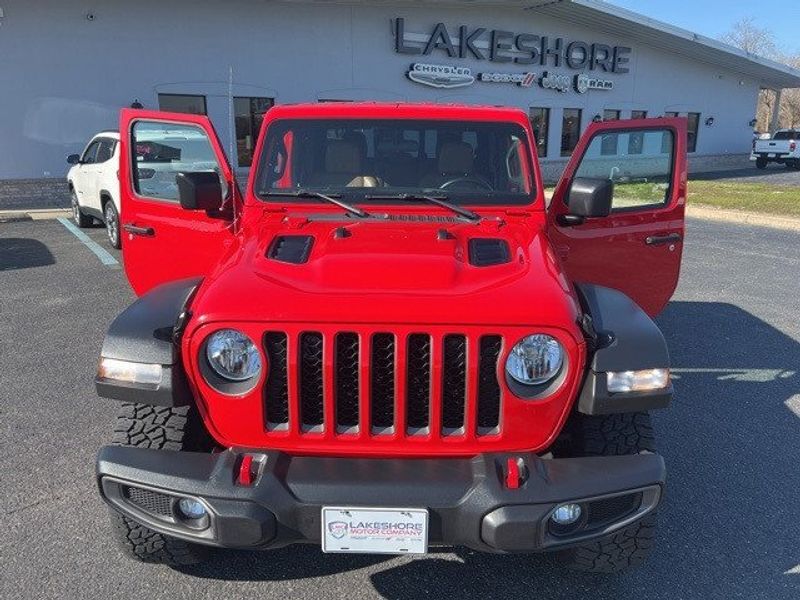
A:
(163, 240)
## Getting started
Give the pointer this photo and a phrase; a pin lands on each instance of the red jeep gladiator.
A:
(389, 341)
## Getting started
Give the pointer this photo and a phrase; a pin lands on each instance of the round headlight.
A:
(233, 355)
(535, 359)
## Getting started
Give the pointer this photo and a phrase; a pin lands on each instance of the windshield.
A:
(480, 163)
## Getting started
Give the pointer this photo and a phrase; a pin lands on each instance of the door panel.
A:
(637, 248)
(103, 167)
(164, 242)
(85, 183)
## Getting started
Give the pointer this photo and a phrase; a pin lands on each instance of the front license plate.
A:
(374, 530)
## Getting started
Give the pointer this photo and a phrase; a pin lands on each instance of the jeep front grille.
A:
(383, 383)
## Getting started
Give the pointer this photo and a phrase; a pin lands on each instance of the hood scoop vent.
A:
(487, 252)
(293, 249)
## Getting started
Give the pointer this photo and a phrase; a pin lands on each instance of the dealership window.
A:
(693, 129)
(609, 143)
(570, 130)
(183, 103)
(636, 140)
(540, 123)
(248, 116)
(666, 144)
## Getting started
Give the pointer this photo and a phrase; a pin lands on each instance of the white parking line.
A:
(101, 253)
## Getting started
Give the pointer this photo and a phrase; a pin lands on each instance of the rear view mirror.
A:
(200, 190)
(74, 159)
(588, 198)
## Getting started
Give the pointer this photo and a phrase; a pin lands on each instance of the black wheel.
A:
(112, 224)
(163, 428)
(81, 220)
(794, 165)
(761, 163)
(610, 435)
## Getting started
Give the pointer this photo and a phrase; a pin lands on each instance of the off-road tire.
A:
(610, 435)
(163, 428)
(761, 163)
(80, 219)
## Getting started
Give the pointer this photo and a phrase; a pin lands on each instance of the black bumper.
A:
(468, 499)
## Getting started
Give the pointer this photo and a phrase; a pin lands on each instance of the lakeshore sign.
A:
(500, 46)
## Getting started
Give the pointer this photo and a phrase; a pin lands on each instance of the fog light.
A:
(191, 509)
(566, 514)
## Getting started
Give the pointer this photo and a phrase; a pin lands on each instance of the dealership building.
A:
(69, 66)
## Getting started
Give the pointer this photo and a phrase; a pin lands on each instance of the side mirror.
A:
(588, 198)
(199, 190)
(74, 159)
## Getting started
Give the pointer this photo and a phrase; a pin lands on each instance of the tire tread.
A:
(162, 428)
(611, 435)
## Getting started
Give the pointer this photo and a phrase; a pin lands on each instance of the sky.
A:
(713, 18)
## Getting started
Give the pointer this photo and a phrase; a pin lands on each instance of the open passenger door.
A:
(616, 218)
(161, 240)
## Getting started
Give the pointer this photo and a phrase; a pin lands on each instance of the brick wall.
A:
(33, 193)
(53, 193)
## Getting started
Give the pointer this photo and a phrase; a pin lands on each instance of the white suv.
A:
(94, 184)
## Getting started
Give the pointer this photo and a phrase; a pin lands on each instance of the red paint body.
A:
(397, 277)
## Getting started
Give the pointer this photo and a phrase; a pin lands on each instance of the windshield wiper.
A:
(437, 200)
(332, 198)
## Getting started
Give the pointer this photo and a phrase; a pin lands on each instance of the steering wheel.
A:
(477, 181)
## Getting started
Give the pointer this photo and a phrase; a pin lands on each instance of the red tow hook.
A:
(515, 473)
(247, 472)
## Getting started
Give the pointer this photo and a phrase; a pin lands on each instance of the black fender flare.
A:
(622, 337)
(148, 332)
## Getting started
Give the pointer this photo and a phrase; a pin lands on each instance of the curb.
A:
(38, 214)
(741, 217)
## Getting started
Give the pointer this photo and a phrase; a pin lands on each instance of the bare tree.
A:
(760, 41)
(748, 36)
(790, 99)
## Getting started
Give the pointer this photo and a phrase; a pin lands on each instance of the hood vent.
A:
(487, 252)
(291, 248)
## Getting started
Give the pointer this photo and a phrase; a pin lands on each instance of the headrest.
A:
(456, 157)
(342, 157)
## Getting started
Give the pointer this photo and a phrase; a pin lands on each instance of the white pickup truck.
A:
(782, 147)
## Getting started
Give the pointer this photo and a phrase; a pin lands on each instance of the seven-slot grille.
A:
(384, 383)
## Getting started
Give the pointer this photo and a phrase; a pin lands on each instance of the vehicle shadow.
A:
(23, 253)
(301, 561)
(730, 521)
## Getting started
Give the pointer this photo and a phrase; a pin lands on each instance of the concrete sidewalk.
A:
(37, 214)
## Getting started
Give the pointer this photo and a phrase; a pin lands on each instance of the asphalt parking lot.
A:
(729, 527)
(774, 174)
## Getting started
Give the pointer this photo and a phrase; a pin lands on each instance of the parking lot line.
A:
(101, 253)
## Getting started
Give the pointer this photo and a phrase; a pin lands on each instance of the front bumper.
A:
(469, 500)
